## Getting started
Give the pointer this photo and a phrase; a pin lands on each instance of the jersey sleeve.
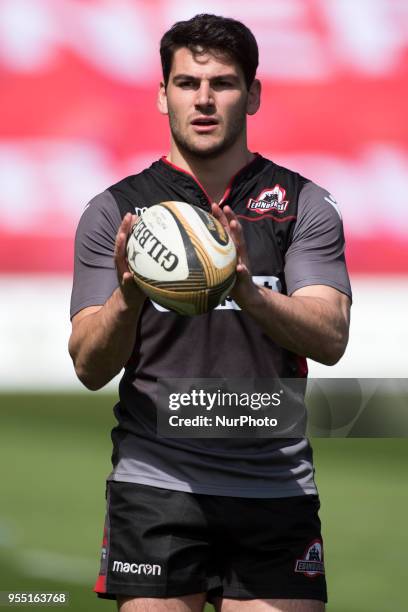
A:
(95, 276)
(316, 253)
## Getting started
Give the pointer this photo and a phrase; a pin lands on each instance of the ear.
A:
(162, 99)
(254, 97)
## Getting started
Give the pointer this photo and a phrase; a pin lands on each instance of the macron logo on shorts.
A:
(147, 569)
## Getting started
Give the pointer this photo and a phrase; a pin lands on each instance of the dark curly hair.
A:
(210, 32)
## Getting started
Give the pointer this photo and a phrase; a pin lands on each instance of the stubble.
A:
(187, 144)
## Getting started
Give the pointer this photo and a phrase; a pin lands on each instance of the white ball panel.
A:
(220, 255)
(156, 248)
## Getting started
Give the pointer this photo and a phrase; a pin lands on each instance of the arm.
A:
(312, 322)
(103, 337)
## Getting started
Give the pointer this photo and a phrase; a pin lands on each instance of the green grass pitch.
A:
(55, 455)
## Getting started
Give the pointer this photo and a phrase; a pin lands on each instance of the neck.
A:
(214, 174)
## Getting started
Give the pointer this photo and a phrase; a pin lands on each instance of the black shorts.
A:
(162, 543)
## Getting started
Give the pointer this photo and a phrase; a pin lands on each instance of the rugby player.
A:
(231, 521)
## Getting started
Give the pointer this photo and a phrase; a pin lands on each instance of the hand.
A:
(132, 294)
(244, 289)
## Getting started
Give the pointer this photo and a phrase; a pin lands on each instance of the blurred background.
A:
(78, 86)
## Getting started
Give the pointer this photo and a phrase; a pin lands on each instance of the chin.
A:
(205, 151)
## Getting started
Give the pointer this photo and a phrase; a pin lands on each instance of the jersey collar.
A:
(190, 181)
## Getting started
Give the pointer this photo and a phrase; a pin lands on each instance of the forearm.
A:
(103, 341)
(308, 326)
(313, 322)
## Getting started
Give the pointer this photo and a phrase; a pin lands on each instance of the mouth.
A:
(204, 124)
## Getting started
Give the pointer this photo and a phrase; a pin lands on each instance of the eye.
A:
(222, 84)
(187, 84)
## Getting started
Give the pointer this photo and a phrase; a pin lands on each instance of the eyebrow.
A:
(219, 77)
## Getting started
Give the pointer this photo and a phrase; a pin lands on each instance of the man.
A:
(231, 521)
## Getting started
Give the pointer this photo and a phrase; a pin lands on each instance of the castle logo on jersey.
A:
(312, 563)
(270, 199)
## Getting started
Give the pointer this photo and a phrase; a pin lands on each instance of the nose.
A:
(204, 95)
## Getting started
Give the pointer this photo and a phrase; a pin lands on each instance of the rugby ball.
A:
(182, 257)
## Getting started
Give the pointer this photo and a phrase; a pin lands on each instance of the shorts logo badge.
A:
(269, 199)
(147, 569)
(312, 563)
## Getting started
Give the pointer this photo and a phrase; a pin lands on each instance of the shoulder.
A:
(270, 168)
(101, 212)
(318, 212)
(315, 198)
(316, 253)
(131, 193)
(312, 199)
(134, 180)
(110, 205)
(286, 186)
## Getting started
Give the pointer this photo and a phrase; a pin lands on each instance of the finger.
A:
(120, 245)
(236, 230)
(129, 287)
(127, 277)
(234, 224)
(229, 213)
(238, 235)
(124, 227)
(218, 213)
(216, 210)
(242, 269)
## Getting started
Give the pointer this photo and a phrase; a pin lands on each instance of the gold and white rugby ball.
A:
(182, 257)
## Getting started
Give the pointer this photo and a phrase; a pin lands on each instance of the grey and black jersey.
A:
(294, 237)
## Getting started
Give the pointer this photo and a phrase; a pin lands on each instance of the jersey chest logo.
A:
(271, 198)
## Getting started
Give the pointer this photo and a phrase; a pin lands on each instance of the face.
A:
(207, 101)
